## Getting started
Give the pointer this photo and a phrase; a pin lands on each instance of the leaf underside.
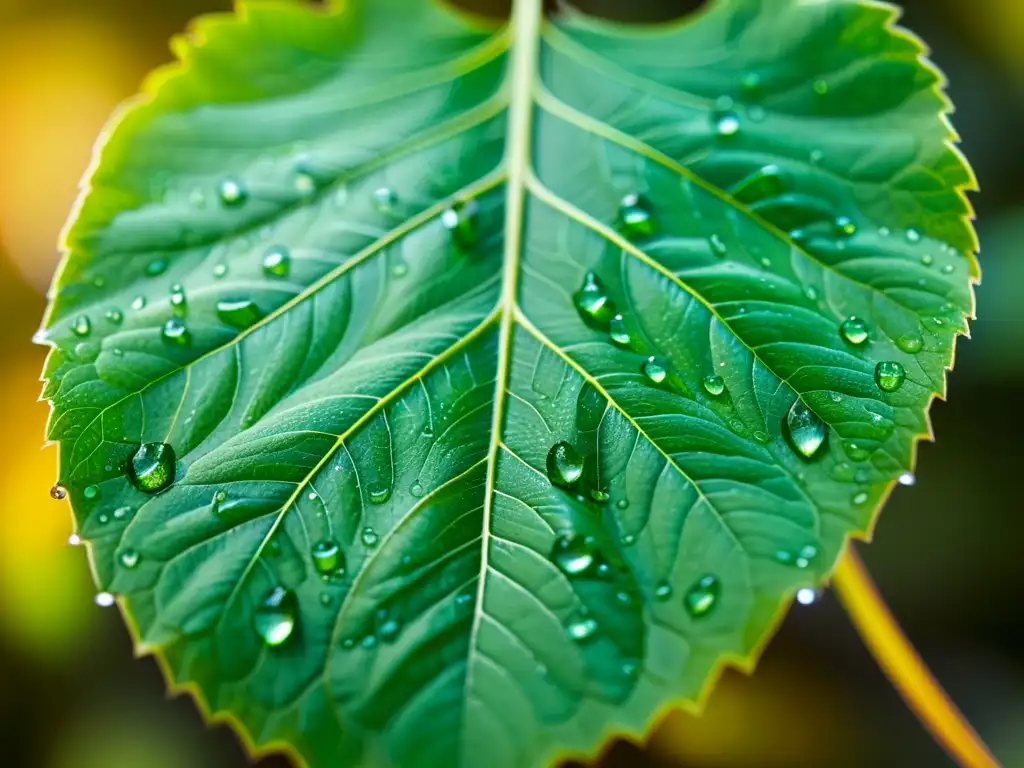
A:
(426, 510)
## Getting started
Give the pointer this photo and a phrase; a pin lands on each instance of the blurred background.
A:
(949, 555)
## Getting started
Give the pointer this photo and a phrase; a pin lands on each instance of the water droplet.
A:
(862, 475)
(806, 431)
(859, 498)
(274, 618)
(622, 503)
(948, 269)
(752, 86)
(58, 492)
(388, 631)
(907, 478)
(655, 370)
(662, 591)
(399, 269)
(379, 493)
(232, 193)
(220, 270)
(74, 540)
(327, 556)
(384, 199)
(726, 123)
(370, 537)
(718, 246)
(618, 331)
(816, 156)
(806, 596)
(156, 267)
(635, 218)
(277, 261)
(114, 316)
(927, 260)
(820, 87)
(565, 464)
(152, 469)
(910, 343)
(129, 558)
(854, 331)
(461, 221)
(305, 184)
(890, 376)
(702, 596)
(844, 226)
(624, 598)
(913, 236)
(714, 385)
(104, 599)
(573, 554)
(628, 540)
(593, 302)
(175, 332)
(138, 302)
(179, 302)
(416, 489)
(464, 598)
(582, 629)
(764, 183)
(855, 452)
(326, 599)
(82, 326)
(91, 492)
(240, 313)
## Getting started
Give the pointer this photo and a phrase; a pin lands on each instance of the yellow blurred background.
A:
(949, 552)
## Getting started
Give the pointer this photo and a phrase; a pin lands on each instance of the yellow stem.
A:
(904, 668)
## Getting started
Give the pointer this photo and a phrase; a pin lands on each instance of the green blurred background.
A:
(949, 554)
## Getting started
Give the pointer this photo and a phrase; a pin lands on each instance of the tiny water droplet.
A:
(618, 332)
(859, 498)
(179, 302)
(399, 269)
(718, 246)
(388, 631)
(702, 596)
(573, 554)
(635, 217)
(175, 332)
(655, 370)
(91, 492)
(662, 591)
(274, 618)
(305, 184)
(152, 469)
(464, 598)
(855, 452)
(726, 123)
(239, 313)
(910, 343)
(220, 270)
(927, 260)
(564, 464)
(384, 199)
(622, 503)
(913, 236)
(114, 316)
(714, 384)
(327, 556)
(104, 599)
(138, 302)
(416, 489)
(582, 629)
(461, 221)
(806, 596)
(890, 375)
(277, 261)
(74, 540)
(811, 293)
(58, 492)
(854, 331)
(232, 193)
(907, 478)
(369, 537)
(326, 599)
(593, 303)
(844, 226)
(629, 539)
(129, 558)
(82, 326)
(156, 267)
(817, 156)
(806, 431)
(624, 598)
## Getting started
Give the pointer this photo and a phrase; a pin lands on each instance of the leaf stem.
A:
(904, 667)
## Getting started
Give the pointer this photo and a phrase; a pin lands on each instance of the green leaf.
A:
(432, 393)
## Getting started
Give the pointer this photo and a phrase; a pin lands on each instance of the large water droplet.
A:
(91, 492)
(151, 469)
(806, 430)
(565, 464)
(274, 618)
(573, 554)
(327, 556)
(175, 332)
(82, 326)
(635, 218)
(179, 302)
(240, 313)
(104, 599)
(581, 630)
(910, 343)
(907, 478)
(655, 370)
(913, 236)
(854, 331)
(58, 492)
(890, 375)
(369, 537)
(714, 385)
(725, 123)
(232, 193)
(129, 558)
(618, 332)
(806, 596)
(752, 86)
(277, 261)
(461, 221)
(702, 596)
(379, 493)
(156, 267)
(593, 302)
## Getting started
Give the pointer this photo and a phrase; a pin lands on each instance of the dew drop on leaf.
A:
(277, 261)
(927, 260)
(114, 316)
(726, 123)
(156, 267)
(175, 332)
(232, 193)
(890, 376)
(179, 302)
(129, 558)
(593, 302)
(91, 492)
(104, 599)
(702, 596)
(718, 246)
(220, 270)
(82, 326)
(139, 302)
(844, 226)
(714, 384)
(854, 331)
(74, 540)
(910, 343)
(806, 596)
(384, 199)
(239, 313)
(907, 478)
(573, 554)
(806, 431)
(151, 469)
(662, 591)
(655, 370)
(369, 537)
(618, 332)
(564, 464)
(58, 492)
(581, 630)
(635, 217)
(913, 236)
(274, 618)
(461, 221)
(327, 556)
